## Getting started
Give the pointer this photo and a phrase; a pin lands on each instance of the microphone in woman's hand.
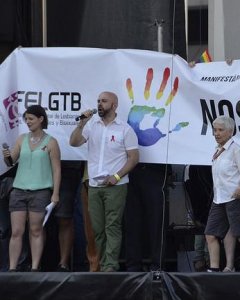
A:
(8, 158)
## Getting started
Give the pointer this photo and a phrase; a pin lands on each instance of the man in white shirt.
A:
(112, 153)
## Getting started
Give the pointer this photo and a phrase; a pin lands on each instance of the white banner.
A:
(169, 105)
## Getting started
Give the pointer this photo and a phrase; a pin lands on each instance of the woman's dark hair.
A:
(38, 111)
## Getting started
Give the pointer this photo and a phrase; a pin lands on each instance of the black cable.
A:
(166, 169)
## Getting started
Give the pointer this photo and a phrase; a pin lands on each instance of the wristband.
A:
(117, 176)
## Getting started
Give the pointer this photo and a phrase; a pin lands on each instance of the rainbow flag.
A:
(205, 57)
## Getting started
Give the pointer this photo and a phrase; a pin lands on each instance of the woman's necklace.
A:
(35, 140)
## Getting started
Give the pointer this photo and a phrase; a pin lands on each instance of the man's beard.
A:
(102, 113)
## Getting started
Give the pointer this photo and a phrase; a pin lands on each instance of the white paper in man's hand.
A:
(49, 209)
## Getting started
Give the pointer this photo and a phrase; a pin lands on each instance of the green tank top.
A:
(34, 170)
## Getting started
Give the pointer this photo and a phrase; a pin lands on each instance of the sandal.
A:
(200, 265)
(228, 270)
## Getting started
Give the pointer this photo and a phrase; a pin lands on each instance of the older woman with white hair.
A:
(224, 216)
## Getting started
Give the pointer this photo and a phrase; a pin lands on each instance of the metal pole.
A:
(44, 23)
(216, 26)
(159, 34)
(160, 38)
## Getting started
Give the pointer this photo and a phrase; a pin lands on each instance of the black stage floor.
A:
(119, 286)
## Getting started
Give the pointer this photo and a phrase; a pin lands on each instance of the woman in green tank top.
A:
(36, 184)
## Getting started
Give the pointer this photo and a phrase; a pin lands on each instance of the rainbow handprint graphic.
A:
(150, 136)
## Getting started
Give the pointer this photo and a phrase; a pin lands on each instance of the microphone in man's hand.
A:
(82, 116)
(9, 158)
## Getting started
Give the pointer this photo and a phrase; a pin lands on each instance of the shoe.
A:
(62, 268)
(12, 270)
(200, 265)
(213, 270)
(228, 270)
(35, 270)
(110, 270)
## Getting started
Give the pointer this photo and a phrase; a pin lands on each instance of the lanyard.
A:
(217, 153)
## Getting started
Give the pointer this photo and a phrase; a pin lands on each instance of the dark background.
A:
(91, 23)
